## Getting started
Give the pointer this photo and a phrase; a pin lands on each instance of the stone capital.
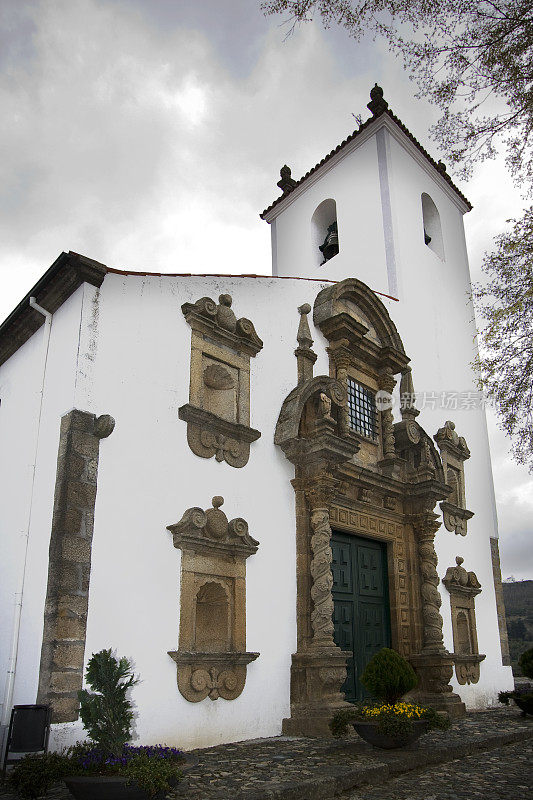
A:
(320, 492)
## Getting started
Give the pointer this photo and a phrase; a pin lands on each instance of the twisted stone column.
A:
(322, 613)
(425, 528)
(434, 664)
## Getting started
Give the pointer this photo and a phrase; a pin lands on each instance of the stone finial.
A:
(407, 396)
(377, 104)
(225, 316)
(304, 334)
(447, 438)
(286, 183)
(305, 357)
(458, 578)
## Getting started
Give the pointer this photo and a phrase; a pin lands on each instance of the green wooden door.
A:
(361, 613)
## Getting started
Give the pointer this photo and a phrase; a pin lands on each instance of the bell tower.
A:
(369, 209)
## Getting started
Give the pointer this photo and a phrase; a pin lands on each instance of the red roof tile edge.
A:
(233, 275)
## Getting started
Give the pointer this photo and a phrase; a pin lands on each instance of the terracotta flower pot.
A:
(369, 731)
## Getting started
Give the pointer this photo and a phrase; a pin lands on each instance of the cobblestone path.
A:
(487, 754)
(502, 774)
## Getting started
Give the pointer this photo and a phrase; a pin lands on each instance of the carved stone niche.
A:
(463, 586)
(454, 452)
(218, 411)
(211, 655)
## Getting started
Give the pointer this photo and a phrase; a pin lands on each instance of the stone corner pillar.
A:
(69, 562)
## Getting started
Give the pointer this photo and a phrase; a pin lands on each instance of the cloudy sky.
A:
(149, 134)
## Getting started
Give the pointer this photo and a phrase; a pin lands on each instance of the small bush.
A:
(151, 774)
(525, 663)
(33, 775)
(388, 676)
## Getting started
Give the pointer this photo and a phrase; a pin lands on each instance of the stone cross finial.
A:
(304, 355)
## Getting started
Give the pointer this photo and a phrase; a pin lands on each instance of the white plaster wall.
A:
(148, 477)
(354, 185)
(20, 387)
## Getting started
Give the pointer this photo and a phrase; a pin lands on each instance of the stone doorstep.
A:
(391, 764)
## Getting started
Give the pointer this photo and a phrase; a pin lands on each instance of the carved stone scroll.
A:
(211, 656)
(218, 412)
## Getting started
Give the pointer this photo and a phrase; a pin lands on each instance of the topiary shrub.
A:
(107, 713)
(525, 662)
(388, 676)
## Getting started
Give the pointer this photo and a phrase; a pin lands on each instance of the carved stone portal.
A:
(211, 655)
(463, 586)
(218, 412)
(384, 489)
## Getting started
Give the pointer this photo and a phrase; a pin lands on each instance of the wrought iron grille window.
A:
(362, 409)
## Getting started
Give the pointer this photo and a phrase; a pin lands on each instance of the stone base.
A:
(310, 721)
(449, 703)
(317, 675)
(435, 670)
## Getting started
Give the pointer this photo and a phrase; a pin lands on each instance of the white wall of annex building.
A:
(148, 477)
(20, 434)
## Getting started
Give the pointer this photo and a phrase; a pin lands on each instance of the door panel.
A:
(361, 605)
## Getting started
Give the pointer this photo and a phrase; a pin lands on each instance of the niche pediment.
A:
(210, 531)
(207, 316)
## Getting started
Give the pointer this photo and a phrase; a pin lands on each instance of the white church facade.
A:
(232, 481)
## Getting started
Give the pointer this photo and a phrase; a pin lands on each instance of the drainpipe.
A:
(12, 665)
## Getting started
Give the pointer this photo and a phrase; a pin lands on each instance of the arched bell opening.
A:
(432, 226)
(324, 232)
